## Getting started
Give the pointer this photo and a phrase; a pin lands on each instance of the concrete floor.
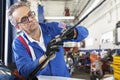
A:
(81, 74)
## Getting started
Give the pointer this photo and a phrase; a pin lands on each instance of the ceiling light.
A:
(62, 17)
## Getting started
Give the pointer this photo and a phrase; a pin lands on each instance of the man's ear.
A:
(18, 27)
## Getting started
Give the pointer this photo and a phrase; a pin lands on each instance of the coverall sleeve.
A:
(24, 62)
(55, 29)
(82, 33)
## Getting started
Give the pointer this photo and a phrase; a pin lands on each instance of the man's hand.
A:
(42, 59)
(49, 53)
(51, 49)
(69, 33)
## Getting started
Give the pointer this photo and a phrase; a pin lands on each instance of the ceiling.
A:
(57, 8)
(62, 8)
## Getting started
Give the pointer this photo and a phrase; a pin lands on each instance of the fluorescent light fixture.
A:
(95, 3)
(62, 17)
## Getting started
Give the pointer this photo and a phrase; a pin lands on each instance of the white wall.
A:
(103, 20)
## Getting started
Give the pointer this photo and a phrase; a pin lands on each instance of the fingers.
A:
(42, 59)
(56, 42)
(52, 56)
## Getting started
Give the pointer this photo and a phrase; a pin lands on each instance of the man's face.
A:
(26, 20)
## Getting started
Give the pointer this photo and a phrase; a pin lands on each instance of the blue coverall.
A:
(57, 66)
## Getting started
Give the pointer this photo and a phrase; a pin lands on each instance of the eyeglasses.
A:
(25, 19)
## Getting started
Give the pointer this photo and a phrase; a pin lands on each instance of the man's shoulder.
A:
(16, 39)
(49, 23)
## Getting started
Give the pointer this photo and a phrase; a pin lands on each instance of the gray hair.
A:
(13, 8)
